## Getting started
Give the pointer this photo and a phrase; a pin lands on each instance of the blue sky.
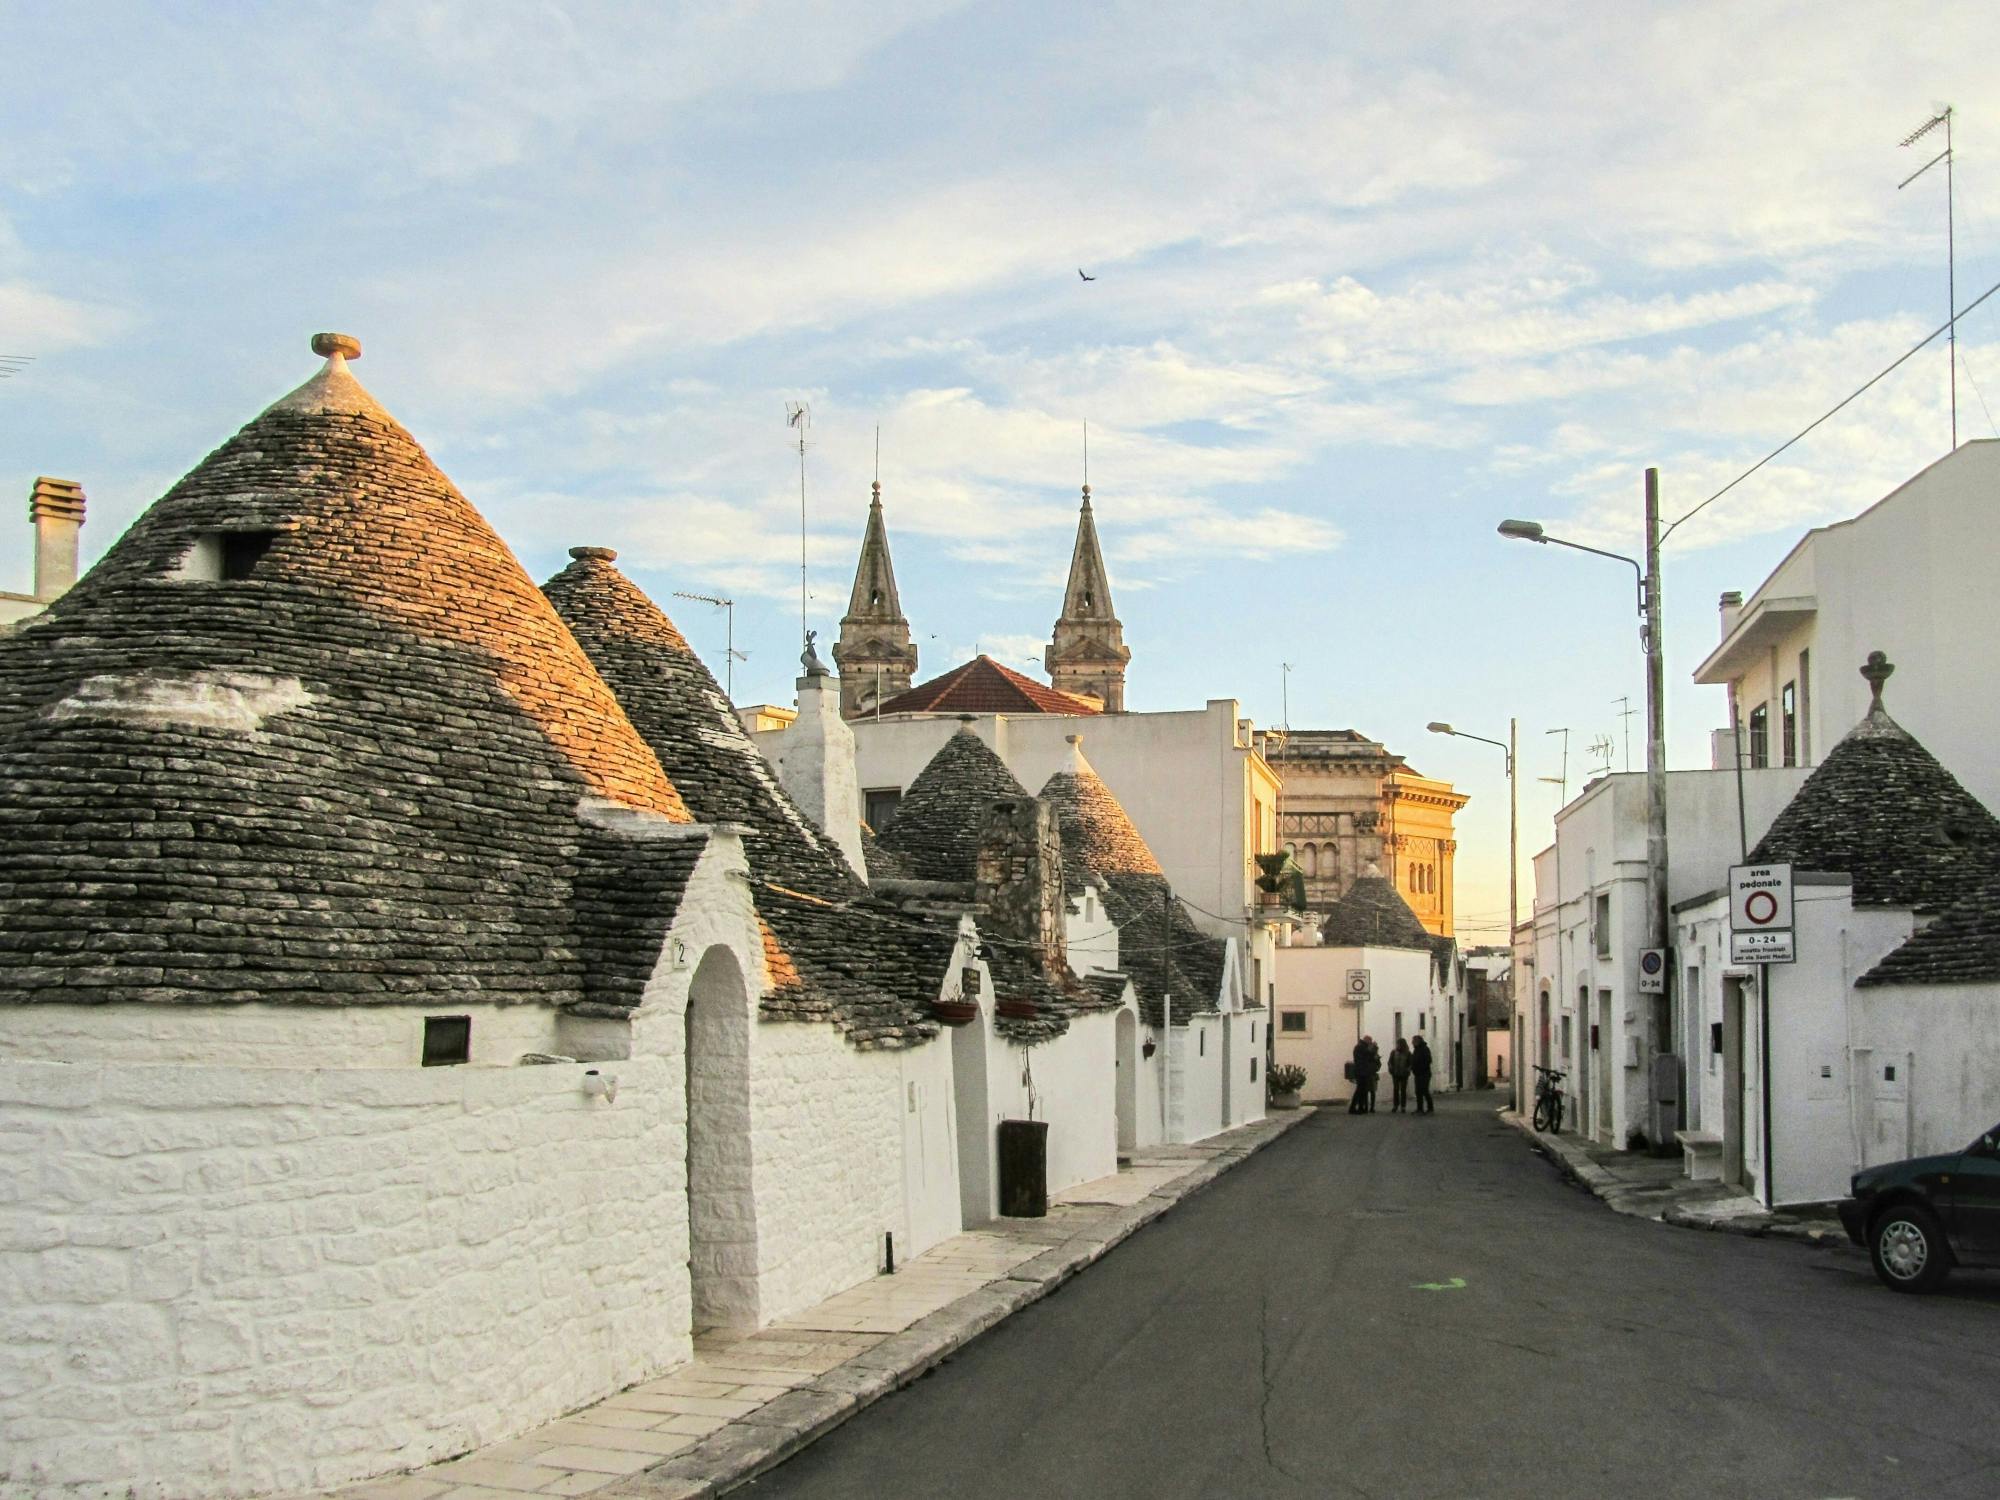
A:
(1371, 278)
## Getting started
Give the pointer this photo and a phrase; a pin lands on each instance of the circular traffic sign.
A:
(1650, 962)
(1760, 907)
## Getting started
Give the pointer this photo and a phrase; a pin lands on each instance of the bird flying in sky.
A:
(1079, 271)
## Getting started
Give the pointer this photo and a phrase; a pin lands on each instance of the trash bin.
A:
(1024, 1169)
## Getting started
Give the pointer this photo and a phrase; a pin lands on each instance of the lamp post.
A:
(1513, 881)
(1656, 718)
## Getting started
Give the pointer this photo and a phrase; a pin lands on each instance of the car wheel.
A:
(1907, 1246)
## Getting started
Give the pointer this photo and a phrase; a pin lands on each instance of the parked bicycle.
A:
(1549, 1100)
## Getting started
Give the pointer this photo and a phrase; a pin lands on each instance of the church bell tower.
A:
(1088, 652)
(875, 655)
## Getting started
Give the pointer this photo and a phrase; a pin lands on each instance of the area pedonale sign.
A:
(1760, 914)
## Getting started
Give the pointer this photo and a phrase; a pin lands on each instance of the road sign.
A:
(1652, 971)
(1357, 987)
(1761, 947)
(1760, 914)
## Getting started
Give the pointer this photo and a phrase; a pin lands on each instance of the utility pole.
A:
(1657, 928)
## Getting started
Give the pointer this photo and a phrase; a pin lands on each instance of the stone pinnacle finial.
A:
(1877, 670)
(1074, 739)
(593, 554)
(336, 346)
(1086, 495)
(876, 493)
(965, 723)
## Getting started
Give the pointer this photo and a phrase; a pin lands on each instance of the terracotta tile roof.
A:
(832, 952)
(1881, 810)
(351, 774)
(984, 686)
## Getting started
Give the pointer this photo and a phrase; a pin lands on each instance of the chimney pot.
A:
(55, 506)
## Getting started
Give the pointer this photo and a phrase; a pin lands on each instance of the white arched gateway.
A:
(722, 1204)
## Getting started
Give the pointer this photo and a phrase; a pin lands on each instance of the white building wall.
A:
(1944, 1042)
(1198, 1077)
(828, 1162)
(1911, 576)
(1185, 779)
(230, 1280)
(1314, 980)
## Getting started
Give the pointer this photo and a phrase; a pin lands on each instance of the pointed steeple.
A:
(1087, 653)
(874, 654)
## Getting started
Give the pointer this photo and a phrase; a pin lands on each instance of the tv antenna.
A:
(1561, 781)
(730, 655)
(1626, 712)
(1943, 117)
(798, 416)
(1285, 690)
(1600, 749)
(13, 364)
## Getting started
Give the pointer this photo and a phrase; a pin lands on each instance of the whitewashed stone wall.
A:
(268, 1036)
(1074, 1083)
(226, 1281)
(828, 1137)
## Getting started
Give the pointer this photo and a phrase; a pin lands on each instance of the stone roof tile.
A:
(339, 760)
(832, 952)
(1373, 914)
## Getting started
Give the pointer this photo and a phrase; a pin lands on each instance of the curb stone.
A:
(1605, 1186)
(756, 1443)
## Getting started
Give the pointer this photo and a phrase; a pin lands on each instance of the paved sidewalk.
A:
(748, 1402)
(1652, 1187)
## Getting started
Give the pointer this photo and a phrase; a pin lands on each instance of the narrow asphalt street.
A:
(1301, 1330)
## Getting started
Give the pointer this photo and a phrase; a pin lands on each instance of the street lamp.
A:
(1513, 871)
(1656, 715)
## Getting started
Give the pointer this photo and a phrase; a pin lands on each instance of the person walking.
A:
(1357, 1073)
(1420, 1071)
(1399, 1076)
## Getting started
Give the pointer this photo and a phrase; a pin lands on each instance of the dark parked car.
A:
(1919, 1218)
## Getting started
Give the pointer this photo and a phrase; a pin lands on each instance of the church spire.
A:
(874, 654)
(1087, 653)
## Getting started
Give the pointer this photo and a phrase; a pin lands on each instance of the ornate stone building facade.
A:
(875, 654)
(1349, 802)
(1086, 656)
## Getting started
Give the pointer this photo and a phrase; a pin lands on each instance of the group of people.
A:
(1407, 1063)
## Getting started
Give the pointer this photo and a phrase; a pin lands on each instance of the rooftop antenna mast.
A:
(1626, 712)
(799, 417)
(730, 655)
(1943, 117)
(1561, 781)
(1285, 691)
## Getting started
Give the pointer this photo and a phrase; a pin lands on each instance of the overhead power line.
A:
(1847, 400)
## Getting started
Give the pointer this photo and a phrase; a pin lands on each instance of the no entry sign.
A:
(1760, 914)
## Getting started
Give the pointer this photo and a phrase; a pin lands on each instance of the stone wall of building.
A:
(231, 1281)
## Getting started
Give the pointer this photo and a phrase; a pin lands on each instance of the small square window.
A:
(447, 1040)
(242, 551)
(1290, 1020)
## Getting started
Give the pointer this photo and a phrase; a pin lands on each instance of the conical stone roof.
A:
(1103, 847)
(837, 953)
(1882, 810)
(935, 832)
(1373, 914)
(307, 732)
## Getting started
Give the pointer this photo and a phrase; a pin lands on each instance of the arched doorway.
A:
(1127, 1046)
(975, 1129)
(722, 1209)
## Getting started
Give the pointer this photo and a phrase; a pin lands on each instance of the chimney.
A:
(1020, 880)
(1731, 608)
(56, 508)
(815, 758)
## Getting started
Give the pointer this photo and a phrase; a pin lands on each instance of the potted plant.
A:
(1284, 1082)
